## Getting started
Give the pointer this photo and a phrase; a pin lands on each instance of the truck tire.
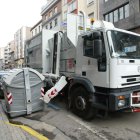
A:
(81, 104)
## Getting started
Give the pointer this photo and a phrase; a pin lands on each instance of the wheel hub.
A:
(80, 103)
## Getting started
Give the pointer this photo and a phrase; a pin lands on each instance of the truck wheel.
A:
(81, 104)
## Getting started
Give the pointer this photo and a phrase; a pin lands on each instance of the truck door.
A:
(89, 65)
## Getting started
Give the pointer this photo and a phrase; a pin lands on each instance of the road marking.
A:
(89, 128)
(30, 131)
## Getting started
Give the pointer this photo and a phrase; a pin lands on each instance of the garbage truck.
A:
(101, 65)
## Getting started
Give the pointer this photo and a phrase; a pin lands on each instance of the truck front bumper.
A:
(124, 100)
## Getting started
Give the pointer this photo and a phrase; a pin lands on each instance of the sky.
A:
(17, 13)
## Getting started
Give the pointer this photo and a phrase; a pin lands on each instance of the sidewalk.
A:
(12, 132)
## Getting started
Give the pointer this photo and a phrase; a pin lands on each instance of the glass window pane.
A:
(121, 13)
(126, 10)
(55, 10)
(116, 15)
(51, 25)
(88, 48)
(55, 22)
(106, 17)
(111, 17)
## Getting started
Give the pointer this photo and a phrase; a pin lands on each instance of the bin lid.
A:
(15, 74)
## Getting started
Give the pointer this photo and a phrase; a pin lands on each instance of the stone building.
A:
(124, 14)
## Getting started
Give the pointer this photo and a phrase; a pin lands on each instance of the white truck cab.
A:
(103, 68)
(110, 58)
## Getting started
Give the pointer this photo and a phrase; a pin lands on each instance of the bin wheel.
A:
(81, 104)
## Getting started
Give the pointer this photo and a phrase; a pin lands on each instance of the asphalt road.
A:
(117, 126)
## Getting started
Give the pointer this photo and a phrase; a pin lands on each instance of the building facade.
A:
(51, 19)
(33, 52)
(11, 61)
(54, 17)
(20, 37)
(2, 53)
(88, 7)
(6, 57)
(2, 58)
(54, 13)
(64, 14)
(51, 15)
(9, 55)
(37, 28)
(93, 9)
(124, 14)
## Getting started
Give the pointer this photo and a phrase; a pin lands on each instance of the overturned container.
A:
(23, 89)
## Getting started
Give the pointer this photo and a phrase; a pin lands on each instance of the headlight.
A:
(121, 103)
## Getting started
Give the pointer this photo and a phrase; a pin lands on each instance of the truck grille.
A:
(131, 80)
(130, 76)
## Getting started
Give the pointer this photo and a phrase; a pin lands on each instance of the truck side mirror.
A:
(97, 44)
(97, 48)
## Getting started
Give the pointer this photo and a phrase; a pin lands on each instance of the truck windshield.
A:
(124, 45)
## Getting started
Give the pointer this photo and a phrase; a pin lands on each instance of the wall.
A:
(34, 52)
(50, 15)
(36, 29)
(129, 23)
(2, 53)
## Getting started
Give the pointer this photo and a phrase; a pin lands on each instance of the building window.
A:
(55, 10)
(50, 14)
(55, 22)
(111, 17)
(118, 14)
(50, 25)
(121, 13)
(72, 6)
(126, 10)
(115, 15)
(91, 15)
(35, 31)
(65, 15)
(106, 18)
(46, 17)
(39, 28)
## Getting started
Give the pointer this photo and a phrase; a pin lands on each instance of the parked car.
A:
(2, 73)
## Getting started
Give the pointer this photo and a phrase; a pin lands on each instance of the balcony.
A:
(48, 6)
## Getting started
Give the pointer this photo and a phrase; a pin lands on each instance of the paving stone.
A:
(10, 132)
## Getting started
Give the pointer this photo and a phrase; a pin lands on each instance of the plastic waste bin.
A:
(22, 91)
